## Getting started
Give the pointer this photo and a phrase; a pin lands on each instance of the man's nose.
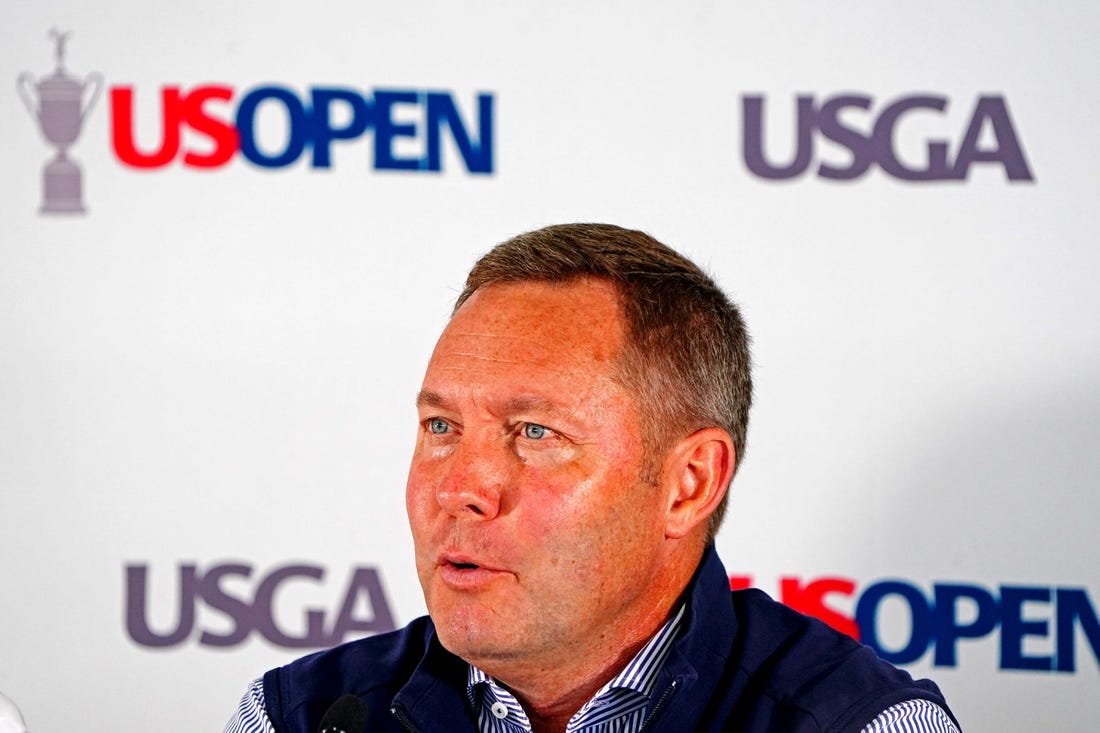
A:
(476, 475)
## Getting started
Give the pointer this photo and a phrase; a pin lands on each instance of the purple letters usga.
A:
(877, 146)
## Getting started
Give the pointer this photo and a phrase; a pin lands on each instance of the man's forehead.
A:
(581, 315)
(528, 341)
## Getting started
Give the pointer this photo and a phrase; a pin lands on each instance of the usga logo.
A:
(223, 589)
(833, 118)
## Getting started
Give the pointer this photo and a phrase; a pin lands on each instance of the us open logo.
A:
(1037, 628)
(207, 126)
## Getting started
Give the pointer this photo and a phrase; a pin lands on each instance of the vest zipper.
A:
(659, 706)
(403, 719)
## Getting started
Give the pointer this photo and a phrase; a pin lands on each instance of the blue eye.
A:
(534, 431)
(438, 426)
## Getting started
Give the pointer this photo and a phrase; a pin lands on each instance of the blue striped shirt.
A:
(618, 707)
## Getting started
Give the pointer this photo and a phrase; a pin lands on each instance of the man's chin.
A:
(493, 625)
(479, 648)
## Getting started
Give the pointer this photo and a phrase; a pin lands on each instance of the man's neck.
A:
(553, 702)
(551, 694)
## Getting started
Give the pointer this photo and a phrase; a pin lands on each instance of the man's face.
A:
(535, 535)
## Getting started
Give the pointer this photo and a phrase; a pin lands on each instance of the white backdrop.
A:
(217, 366)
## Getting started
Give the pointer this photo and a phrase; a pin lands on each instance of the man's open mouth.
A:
(465, 565)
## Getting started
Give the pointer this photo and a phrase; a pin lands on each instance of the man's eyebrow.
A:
(524, 403)
(428, 398)
(531, 402)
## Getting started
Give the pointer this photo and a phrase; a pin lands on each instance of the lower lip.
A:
(467, 578)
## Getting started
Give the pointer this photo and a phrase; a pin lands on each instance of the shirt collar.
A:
(626, 691)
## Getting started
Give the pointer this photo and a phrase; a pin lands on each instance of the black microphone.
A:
(347, 715)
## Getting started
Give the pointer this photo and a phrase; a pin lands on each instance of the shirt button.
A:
(499, 709)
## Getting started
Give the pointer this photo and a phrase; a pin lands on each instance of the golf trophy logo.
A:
(57, 103)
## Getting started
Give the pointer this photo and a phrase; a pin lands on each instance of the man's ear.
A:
(697, 472)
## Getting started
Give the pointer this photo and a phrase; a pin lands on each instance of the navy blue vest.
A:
(748, 665)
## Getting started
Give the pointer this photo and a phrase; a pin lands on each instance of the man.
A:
(581, 418)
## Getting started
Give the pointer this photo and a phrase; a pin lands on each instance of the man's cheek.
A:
(420, 497)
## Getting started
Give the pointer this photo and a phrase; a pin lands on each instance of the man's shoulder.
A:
(775, 628)
(801, 663)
